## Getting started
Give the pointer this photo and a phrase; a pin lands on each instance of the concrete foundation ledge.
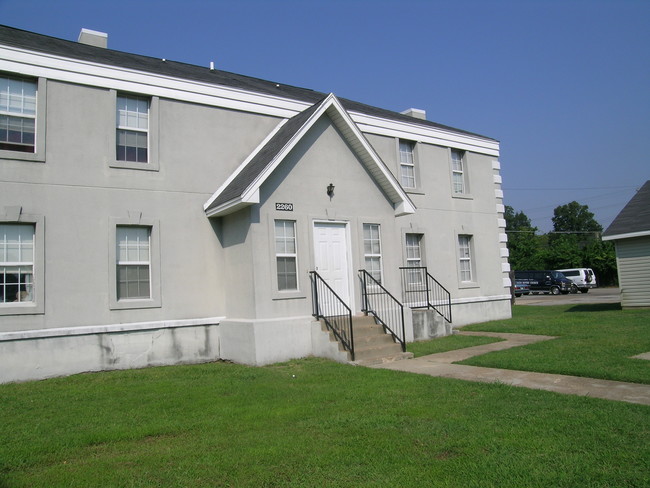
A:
(34, 358)
(105, 329)
(484, 309)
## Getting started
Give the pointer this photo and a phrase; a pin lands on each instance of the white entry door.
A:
(331, 257)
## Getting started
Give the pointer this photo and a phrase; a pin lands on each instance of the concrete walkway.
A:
(441, 365)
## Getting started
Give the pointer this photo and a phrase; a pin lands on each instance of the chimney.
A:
(93, 38)
(415, 113)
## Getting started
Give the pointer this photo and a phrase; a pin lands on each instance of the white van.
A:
(583, 278)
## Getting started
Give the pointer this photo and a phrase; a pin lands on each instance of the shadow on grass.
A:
(595, 307)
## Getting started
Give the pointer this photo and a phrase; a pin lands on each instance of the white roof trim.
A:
(241, 167)
(629, 235)
(339, 116)
(89, 73)
(426, 134)
(33, 63)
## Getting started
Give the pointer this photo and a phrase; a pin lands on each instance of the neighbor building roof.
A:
(634, 219)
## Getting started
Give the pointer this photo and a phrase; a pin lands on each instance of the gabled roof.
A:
(31, 41)
(242, 188)
(634, 219)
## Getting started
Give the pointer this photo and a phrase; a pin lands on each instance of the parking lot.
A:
(596, 295)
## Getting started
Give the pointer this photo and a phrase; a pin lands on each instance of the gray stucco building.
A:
(154, 212)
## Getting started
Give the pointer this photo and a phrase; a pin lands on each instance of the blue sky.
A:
(564, 85)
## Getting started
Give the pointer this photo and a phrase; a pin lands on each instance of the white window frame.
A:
(152, 132)
(465, 259)
(285, 254)
(38, 155)
(154, 300)
(414, 278)
(407, 164)
(124, 239)
(459, 185)
(368, 242)
(36, 305)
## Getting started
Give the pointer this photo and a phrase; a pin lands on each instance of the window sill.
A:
(463, 196)
(135, 303)
(25, 308)
(22, 156)
(133, 165)
(288, 295)
(414, 191)
(468, 284)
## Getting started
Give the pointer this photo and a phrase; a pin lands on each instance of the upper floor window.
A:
(133, 128)
(133, 262)
(407, 163)
(16, 263)
(286, 255)
(18, 114)
(458, 171)
(372, 250)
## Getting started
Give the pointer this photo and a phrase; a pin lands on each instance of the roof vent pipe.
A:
(93, 38)
(211, 65)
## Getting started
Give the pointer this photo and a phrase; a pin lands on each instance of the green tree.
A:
(564, 251)
(575, 243)
(574, 217)
(523, 245)
(601, 257)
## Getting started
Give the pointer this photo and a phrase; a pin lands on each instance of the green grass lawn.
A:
(596, 341)
(448, 343)
(315, 423)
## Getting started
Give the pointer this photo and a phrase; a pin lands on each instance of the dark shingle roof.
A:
(261, 160)
(635, 216)
(37, 42)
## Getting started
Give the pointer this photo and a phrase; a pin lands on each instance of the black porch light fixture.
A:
(330, 190)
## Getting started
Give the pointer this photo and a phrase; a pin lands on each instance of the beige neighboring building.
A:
(630, 232)
(154, 212)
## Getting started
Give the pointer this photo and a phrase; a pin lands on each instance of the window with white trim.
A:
(16, 263)
(132, 137)
(133, 255)
(465, 257)
(407, 163)
(458, 171)
(414, 258)
(18, 114)
(372, 250)
(286, 256)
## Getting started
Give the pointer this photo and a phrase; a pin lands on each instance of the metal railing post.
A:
(332, 318)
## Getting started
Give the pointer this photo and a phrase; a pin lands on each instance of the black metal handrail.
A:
(421, 290)
(386, 309)
(329, 307)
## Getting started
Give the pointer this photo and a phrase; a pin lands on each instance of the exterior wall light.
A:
(330, 190)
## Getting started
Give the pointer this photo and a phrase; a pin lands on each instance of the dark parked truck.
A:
(545, 281)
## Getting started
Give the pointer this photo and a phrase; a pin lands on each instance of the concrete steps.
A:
(371, 344)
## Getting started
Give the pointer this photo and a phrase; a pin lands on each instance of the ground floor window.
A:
(133, 262)
(286, 255)
(465, 257)
(372, 250)
(414, 259)
(16, 263)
